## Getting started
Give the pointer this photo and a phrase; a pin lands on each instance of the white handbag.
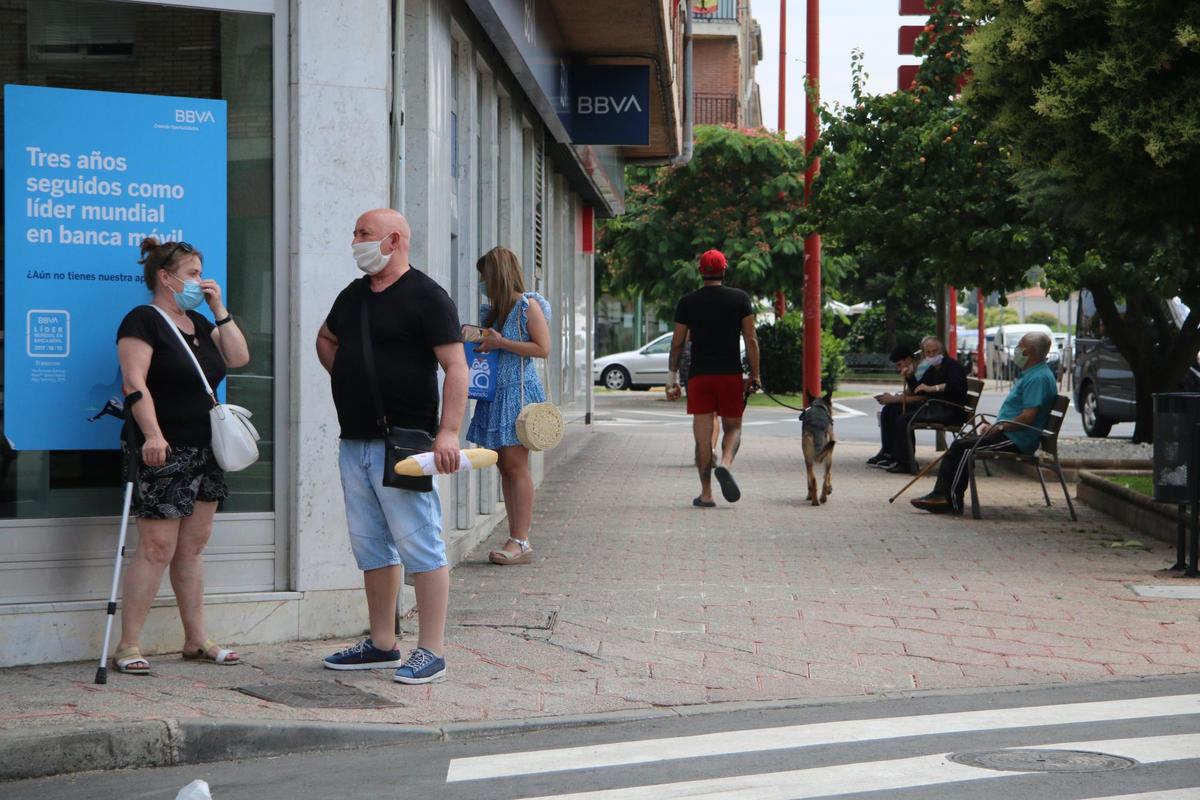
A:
(234, 437)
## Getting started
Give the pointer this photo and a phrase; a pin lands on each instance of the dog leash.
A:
(777, 400)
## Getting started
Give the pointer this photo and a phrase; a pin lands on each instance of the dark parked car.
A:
(1104, 386)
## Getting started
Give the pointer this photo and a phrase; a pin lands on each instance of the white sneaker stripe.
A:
(875, 776)
(783, 738)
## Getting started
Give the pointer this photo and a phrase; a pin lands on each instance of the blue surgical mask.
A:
(1021, 358)
(926, 365)
(191, 296)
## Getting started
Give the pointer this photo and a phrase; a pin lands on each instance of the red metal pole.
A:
(782, 65)
(981, 372)
(780, 297)
(952, 323)
(812, 244)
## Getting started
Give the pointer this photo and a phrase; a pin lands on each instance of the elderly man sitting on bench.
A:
(1029, 402)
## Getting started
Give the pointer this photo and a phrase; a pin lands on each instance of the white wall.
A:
(339, 95)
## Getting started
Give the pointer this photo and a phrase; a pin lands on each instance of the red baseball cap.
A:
(713, 264)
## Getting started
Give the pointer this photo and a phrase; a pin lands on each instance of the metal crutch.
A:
(130, 436)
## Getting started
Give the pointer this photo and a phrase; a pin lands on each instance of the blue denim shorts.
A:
(388, 526)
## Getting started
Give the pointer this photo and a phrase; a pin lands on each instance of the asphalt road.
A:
(1137, 740)
(855, 416)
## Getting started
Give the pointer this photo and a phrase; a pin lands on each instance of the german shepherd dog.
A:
(817, 441)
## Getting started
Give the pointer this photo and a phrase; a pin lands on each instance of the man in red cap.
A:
(716, 317)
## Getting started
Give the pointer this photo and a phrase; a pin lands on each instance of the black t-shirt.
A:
(408, 319)
(180, 402)
(714, 317)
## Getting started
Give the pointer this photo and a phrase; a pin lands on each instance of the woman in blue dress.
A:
(518, 324)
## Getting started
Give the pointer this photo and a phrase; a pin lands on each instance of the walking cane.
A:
(918, 476)
(130, 444)
(975, 423)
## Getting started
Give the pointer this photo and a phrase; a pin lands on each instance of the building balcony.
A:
(715, 11)
(716, 109)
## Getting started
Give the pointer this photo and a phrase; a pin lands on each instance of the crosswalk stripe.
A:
(875, 776)
(1169, 794)
(783, 738)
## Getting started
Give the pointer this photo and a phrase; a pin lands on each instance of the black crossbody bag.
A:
(398, 443)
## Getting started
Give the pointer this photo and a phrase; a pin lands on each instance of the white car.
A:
(635, 369)
(639, 369)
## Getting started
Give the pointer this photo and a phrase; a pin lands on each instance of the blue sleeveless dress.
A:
(494, 424)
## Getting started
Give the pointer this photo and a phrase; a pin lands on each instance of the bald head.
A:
(388, 227)
(379, 223)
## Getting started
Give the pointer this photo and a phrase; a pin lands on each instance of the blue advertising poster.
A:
(88, 175)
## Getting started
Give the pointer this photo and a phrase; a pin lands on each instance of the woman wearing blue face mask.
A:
(179, 482)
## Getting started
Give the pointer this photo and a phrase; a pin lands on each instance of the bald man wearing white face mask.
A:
(397, 324)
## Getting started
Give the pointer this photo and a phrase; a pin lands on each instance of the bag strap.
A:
(524, 329)
(369, 359)
(183, 343)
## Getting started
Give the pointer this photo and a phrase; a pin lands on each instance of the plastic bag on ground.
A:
(196, 790)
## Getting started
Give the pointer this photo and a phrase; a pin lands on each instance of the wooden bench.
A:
(955, 429)
(1045, 457)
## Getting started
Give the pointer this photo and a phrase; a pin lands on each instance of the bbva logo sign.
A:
(193, 117)
(607, 105)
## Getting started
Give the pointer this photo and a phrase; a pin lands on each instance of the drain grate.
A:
(1043, 761)
(317, 694)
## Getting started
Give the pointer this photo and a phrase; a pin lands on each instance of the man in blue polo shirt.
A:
(1029, 402)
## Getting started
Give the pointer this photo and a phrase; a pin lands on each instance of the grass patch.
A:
(1142, 484)
(851, 377)
(794, 399)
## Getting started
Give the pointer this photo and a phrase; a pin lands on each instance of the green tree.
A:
(1042, 318)
(742, 193)
(1097, 102)
(913, 189)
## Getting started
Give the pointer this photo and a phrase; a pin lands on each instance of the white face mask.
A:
(369, 257)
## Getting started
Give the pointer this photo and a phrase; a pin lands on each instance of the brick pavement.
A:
(636, 599)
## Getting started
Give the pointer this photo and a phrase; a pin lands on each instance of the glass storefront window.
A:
(143, 49)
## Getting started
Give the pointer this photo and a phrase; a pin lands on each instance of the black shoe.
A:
(879, 458)
(933, 503)
(887, 462)
(898, 468)
(729, 487)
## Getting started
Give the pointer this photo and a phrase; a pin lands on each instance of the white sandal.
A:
(506, 558)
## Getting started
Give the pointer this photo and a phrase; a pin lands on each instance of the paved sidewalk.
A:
(637, 600)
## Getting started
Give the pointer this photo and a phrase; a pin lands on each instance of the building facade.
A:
(456, 112)
(728, 46)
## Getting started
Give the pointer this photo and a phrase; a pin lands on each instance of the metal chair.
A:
(1046, 457)
(955, 429)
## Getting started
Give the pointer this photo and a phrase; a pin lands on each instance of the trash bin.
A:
(1176, 416)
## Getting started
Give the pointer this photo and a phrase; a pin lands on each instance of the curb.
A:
(1157, 520)
(178, 742)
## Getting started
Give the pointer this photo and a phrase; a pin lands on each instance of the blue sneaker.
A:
(421, 666)
(364, 655)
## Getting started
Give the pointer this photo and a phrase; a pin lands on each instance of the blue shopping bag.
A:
(482, 383)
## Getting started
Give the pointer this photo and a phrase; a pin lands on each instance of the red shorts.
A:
(722, 394)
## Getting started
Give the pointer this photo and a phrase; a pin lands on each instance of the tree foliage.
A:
(1099, 103)
(781, 356)
(742, 193)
